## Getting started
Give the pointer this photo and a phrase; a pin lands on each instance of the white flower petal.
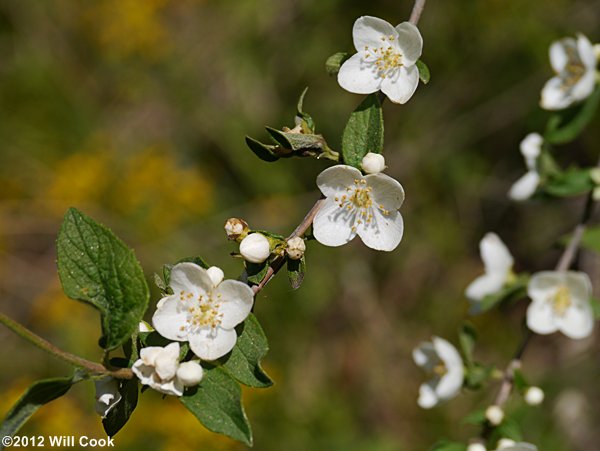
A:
(525, 187)
(427, 396)
(400, 89)
(170, 317)
(540, 318)
(172, 387)
(209, 344)
(332, 225)
(577, 322)
(166, 363)
(447, 353)
(580, 286)
(485, 285)
(386, 191)
(142, 371)
(531, 147)
(495, 255)
(335, 179)
(358, 77)
(236, 302)
(148, 354)
(190, 373)
(368, 31)
(558, 54)
(451, 383)
(410, 43)
(189, 277)
(586, 52)
(216, 275)
(384, 232)
(584, 87)
(554, 96)
(426, 356)
(543, 284)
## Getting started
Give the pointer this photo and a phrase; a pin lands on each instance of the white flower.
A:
(255, 248)
(560, 302)
(157, 367)
(366, 206)
(236, 229)
(494, 414)
(476, 447)
(498, 264)
(534, 396)
(373, 163)
(519, 447)
(385, 60)
(107, 395)
(505, 443)
(524, 188)
(440, 359)
(295, 248)
(574, 62)
(203, 309)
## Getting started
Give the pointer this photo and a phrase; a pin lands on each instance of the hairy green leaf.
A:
(335, 61)
(363, 132)
(98, 268)
(572, 182)
(256, 271)
(263, 151)
(424, 73)
(217, 404)
(243, 363)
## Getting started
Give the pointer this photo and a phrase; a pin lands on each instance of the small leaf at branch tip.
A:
(424, 74)
(363, 132)
(335, 61)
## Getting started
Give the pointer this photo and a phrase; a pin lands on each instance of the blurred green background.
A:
(135, 112)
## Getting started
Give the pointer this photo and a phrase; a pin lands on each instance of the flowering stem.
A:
(91, 367)
(278, 262)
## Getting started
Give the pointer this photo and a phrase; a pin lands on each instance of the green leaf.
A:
(467, 337)
(243, 363)
(155, 339)
(256, 271)
(476, 418)
(217, 404)
(120, 413)
(561, 134)
(595, 307)
(265, 152)
(301, 143)
(306, 120)
(591, 238)
(572, 182)
(98, 268)
(514, 290)
(476, 375)
(445, 445)
(363, 132)
(296, 270)
(519, 380)
(509, 428)
(40, 393)
(424, 73)
(335, 61)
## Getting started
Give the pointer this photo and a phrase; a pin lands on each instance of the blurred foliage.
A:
(136, 111)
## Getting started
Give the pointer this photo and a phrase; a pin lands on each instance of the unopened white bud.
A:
(534, 396)
(255, 248)
(476, 447)
(190, 373)
(216, 275)
(505, 443)
(236, 229)
(295, 248)
(597, 51)
(494, 415)
(373, 163)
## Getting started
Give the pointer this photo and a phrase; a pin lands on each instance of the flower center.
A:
(386, 59)
(358, 203)
(574, 69)
(440, 369)
(561, 301)
(203, 313)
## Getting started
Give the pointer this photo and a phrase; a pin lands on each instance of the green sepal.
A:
(256, 271)
(243, 363)
(335, 61)
(306, 121)
(296, 270)
(363, 132)
(119, 415)
(265, 152)
(570, 124)
(571, 182)
(424, 73)
(512, 291)
(97, 268)
(40, 393)
(217, 403)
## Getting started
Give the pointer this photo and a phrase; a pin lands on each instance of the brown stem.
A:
(278, 262)
(417, 10)
(91, 367)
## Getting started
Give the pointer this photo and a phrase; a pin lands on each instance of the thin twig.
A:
(91, 367)
(415, 15)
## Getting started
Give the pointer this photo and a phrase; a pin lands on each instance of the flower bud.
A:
(534, 396)
(236, 229)
(216, 275)
(505, 443)
(494, 415)
(373, 163)
(476, 447)
(255, 248)
(143, 326)
(295, 248)
(190, 373)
